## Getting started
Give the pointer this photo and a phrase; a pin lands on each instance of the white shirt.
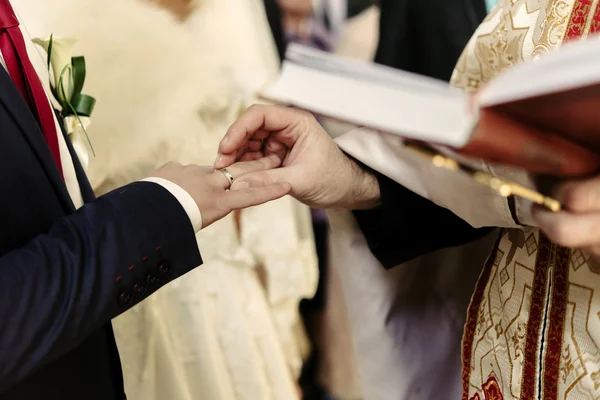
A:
(186, 200)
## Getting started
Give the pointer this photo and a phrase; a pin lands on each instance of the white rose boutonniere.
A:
(67, 76)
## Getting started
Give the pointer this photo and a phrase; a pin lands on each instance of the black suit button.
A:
(165, 269)
(125, 299)
(152, 279)
(139, 289)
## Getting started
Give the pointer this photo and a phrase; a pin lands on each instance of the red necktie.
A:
(14, 52)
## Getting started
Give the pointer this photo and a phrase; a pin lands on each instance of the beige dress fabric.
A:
(168, 90)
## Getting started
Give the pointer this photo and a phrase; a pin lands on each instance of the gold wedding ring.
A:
(227, 175)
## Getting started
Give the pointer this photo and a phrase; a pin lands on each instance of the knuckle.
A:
(172, 165)
(251, 196)
(581, 198)
(255, 179)
(254, 108)
(264, 162)
(264, 179)
(561, 234)
(307, 118)
(191, 168)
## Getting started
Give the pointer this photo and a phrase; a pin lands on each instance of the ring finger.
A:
(240, 168)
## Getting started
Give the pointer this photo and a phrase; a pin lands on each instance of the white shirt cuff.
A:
(184, 198)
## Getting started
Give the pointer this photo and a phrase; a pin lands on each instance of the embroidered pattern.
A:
(528, 324)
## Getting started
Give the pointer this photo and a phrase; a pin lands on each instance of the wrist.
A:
(364, 193)
(186, 201)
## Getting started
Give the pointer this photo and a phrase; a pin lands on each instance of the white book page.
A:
(367, 72)
(575, 65)
(377, 97)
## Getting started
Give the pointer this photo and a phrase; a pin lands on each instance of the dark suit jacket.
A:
(424, 37)
(64, 274)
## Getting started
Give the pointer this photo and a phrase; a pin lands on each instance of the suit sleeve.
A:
(87, 269)
(405, 226)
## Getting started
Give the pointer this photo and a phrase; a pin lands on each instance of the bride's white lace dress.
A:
(166, 90)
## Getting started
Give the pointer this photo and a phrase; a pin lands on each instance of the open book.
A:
(559, 95)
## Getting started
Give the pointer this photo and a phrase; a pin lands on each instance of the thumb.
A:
(262, 178)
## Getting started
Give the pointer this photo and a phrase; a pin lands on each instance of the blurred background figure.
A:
(318, 23)
(169, 77)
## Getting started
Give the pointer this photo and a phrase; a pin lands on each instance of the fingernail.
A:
(225, 140)
(218, 159)
(240, 185)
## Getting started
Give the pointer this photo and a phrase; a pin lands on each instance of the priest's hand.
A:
(321, 175)
(578, 226)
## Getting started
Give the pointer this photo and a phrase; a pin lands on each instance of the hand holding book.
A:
(539, 116)
(576, 226)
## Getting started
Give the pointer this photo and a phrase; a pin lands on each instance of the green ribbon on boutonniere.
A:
(69, 78)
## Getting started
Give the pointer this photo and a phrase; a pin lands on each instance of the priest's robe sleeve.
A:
(425, 208)
(405, 225)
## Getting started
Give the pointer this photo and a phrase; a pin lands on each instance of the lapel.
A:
(476, 12)
(87, 193)
(16, 106)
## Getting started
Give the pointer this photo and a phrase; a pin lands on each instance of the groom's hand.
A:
(208, 187)
(320, 174)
